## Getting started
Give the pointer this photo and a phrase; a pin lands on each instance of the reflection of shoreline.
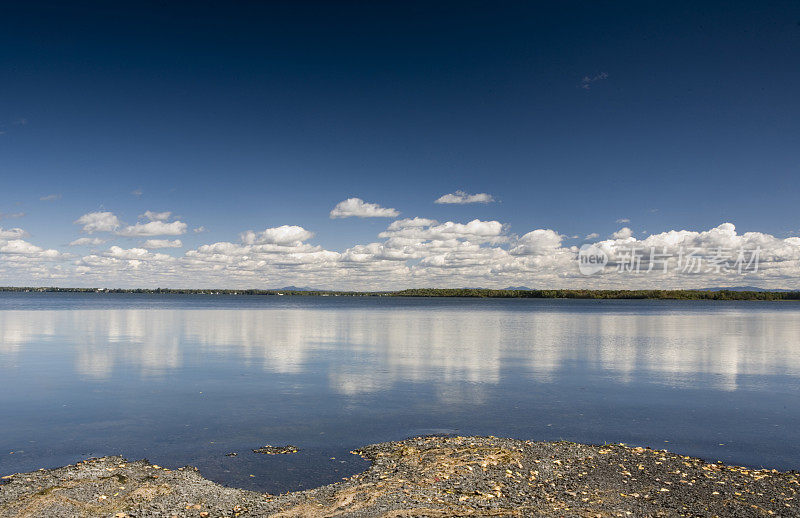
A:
(366, 351)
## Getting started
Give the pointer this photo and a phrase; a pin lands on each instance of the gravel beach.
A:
(427, 476)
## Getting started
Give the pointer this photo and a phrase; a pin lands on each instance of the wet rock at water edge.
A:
(276, 450)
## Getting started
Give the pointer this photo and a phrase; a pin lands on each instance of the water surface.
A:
(186, 379)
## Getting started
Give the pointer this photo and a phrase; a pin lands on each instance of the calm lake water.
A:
(186, 379)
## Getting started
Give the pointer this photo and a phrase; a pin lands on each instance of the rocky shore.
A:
(427, 476)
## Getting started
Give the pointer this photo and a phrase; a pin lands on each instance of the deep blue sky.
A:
(241, 116)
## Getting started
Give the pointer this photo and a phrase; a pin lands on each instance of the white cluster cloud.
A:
(356, 207)
(623, 233)
(538, 242)
(409, 252)
(100, 221)
(428, 241)
(286, 235)
(778, 265)
(83, 241)
(20, 247)
(12, 233)
(134, 254)
(153, 228)
(104, 221)
(424, 229)
(461, 197)
(152, 244)
(123, 265)
(20, 259)
(156, 216)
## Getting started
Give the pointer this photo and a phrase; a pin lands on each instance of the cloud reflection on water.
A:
(363, 351)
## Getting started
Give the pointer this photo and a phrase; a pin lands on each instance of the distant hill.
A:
(518, 288)
(296, 288)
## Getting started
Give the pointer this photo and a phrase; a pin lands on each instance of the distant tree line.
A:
(603, 294)
(187, 291)
(456, 292)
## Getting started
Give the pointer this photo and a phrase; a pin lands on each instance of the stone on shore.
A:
(427, 476)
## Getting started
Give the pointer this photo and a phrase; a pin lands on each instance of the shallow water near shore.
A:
(186, 379)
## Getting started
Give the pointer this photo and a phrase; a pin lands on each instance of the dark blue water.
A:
(186, 379)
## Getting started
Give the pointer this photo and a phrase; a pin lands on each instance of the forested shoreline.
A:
(448, 292)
